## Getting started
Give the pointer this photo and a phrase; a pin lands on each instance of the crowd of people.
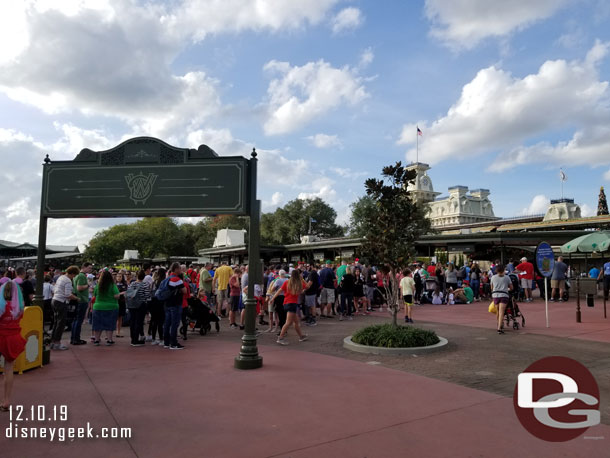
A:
(287, 296)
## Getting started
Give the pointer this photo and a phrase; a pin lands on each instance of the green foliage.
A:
(287, 224)
(395, 221)
(391, 226)
(389, 336)
(360, 211)
(602, 203)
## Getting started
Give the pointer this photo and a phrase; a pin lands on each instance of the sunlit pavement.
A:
(304, 403)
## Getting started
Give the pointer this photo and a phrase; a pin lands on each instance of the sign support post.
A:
(545, 263)
(42, 247)
(248, 357)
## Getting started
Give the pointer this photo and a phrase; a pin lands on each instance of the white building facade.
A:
(461, 206)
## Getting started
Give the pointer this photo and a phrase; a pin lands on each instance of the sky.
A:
(328, 91)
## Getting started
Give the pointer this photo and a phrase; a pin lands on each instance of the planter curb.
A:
(347, 343)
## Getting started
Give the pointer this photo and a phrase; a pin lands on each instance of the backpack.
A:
(132, 296)
(417, 278)
(163, 292)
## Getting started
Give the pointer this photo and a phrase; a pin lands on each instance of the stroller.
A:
(199, 315)
(430, 286)
(512, 312)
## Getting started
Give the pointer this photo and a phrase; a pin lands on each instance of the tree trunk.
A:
(392, 295)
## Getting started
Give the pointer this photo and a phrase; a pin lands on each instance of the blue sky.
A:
(329, 91)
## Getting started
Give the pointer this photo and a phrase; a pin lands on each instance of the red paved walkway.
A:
(300, 404)
(562, 318)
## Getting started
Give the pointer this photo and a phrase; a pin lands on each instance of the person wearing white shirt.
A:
(63, 295)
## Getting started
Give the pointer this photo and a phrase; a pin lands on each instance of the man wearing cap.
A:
(327, 296)
(526, 276)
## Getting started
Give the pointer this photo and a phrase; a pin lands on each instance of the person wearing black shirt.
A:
(348, 285)
(313, 286)
(27, 289)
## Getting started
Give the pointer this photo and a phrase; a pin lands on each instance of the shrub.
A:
(389, 336)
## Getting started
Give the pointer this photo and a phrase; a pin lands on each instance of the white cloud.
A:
(497, 112)
(347, 19)
(465, 23)
(607, 175)
(538, 205)
(325, 141)
(348, 173)
(366, 58)
(302, 94)
(60, 57)
(586, 211)
(198, 19)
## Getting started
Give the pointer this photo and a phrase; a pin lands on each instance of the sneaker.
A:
(303, 338)
(406, 319)
(59, 346)
(176, 347)
(233, 326)
(340, 317)
(156, 342)
(139, 344)
(149, 338)
(241, 328)
(110, 342)
(165, 346)
(281, 341)
(96, 343)
(350, 318)
(410, 320)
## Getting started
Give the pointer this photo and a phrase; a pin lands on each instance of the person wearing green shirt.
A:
(81, 290)
(105, 307)
(206, 280)
(464, 295)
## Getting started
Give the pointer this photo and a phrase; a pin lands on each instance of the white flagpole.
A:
(561, 178)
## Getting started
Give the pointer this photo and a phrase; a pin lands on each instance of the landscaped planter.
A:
(347, 343)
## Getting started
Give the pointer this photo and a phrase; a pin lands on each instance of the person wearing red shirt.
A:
(292, 289)
(526, 277)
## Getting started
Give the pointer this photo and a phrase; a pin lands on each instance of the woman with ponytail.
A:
(11, 342)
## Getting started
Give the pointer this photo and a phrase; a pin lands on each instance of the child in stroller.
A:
(199, 315)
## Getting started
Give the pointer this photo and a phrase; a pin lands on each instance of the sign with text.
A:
(205, 187)
(545, 259)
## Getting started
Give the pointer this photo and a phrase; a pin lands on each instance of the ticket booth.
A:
(31, 331)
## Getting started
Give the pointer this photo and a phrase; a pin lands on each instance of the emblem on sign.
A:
(140, 186)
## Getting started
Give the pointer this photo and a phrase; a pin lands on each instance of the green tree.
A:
(602, 203)
(392, 226)
(287, 224)
(150, 236)
(360, 209)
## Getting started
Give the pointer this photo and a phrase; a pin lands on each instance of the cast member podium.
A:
(31, 331)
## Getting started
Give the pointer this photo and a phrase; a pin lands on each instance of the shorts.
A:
(234, 303)
(408, 299)
(221, 296)
(291, 308)
(369, 291)
(501, 300)
(327, 296)
(270, 305)
(526, 283)
(558, 284)
(310, 300)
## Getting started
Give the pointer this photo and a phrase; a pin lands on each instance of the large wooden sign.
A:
(140, 182)
(144, 176)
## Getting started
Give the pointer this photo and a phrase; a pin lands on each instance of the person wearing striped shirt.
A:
(137, 309)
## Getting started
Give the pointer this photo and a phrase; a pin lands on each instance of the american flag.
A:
(419, 132)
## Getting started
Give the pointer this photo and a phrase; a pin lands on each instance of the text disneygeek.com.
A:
(21, 426)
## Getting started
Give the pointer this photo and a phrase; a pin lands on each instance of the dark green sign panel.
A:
(214, 186)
